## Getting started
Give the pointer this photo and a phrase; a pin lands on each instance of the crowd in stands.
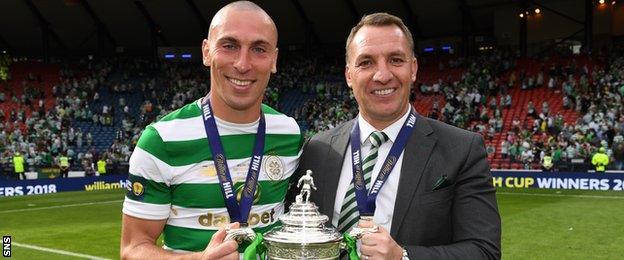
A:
(479, 98)
(40, 125)
(597, 98)
(127, 94)
(330, 101)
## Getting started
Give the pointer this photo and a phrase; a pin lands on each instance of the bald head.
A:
(241, 52)
(240, 6)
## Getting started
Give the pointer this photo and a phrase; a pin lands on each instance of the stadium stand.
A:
(560, 104)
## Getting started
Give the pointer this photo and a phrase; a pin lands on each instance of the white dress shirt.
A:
(387, 195)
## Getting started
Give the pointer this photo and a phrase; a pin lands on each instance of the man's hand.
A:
(379, 245)
(220, 249)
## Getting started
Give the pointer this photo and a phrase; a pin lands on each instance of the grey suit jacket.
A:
(433, 219)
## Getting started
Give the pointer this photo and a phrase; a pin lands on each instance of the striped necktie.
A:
(349, 214)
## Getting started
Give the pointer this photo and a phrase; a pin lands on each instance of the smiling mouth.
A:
(240, 82)
(384, 92)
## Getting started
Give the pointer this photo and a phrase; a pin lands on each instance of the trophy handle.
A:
(239, 235)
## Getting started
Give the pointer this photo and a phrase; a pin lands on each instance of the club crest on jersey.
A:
(273, 167)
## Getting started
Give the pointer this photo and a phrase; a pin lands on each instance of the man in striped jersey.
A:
(223, 159)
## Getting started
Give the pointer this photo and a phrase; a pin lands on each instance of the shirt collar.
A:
(392, 131)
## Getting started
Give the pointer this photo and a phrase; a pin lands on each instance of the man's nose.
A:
(383, 74)
(242, 63)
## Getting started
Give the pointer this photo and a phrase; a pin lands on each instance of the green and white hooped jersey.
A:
(173, 176)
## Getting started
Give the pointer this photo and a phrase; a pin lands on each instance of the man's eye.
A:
(396, 61)
(229, 46)
(259, 50)
(364, 63)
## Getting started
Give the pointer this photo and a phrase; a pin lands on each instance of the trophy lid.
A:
(303, 224)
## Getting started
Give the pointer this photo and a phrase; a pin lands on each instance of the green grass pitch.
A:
(537, 224)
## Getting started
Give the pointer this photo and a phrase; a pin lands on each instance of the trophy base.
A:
(322, 251)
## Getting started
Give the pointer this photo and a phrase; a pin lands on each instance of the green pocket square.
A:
(442, 182)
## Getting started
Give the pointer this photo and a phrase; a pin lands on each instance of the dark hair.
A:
(379, 19)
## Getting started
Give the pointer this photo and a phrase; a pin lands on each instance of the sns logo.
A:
(6, 246)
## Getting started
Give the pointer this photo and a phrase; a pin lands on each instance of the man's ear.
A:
(348, 75)
(274, 68)
(414, 69)
(206, 52)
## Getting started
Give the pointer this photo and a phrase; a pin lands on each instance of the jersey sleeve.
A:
(149, 191)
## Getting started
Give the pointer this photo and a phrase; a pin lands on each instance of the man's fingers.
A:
(235, 225)
(376, 239)
(382, 230)
(369, 243)
(379, 245)
(220, 249)
(217, 238)
(367, 250)
(370, 239)
(224, 249)
(365, 224)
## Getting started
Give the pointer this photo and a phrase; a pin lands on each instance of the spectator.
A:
(600, 160)
(63, 163)
(101, 166)
(18, 165)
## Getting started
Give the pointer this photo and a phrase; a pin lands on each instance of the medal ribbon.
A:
(238, 213)
(366, 200)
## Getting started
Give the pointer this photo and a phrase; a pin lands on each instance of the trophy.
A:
(303, 234)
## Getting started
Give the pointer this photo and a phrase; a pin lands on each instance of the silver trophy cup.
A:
(303, 234)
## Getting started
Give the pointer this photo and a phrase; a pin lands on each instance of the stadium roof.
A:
(72, 25)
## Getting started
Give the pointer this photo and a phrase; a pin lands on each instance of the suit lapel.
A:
(338, 144)
(415, 157)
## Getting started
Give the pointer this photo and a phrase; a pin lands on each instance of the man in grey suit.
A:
(425, 184)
